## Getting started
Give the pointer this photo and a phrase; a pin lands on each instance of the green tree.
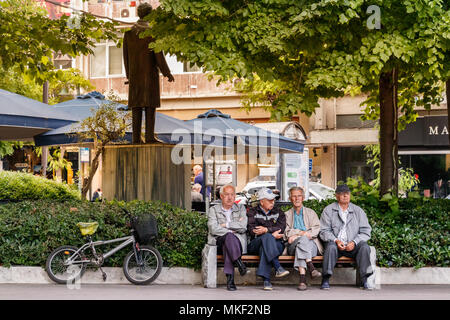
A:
(303, 50)
(106, 125)
(28, 37)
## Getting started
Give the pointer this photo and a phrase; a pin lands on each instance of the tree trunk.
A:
(92, 171)
(388, 132)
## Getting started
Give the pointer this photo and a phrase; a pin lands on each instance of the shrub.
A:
(25, 186)
(32, 229)
(416, 235)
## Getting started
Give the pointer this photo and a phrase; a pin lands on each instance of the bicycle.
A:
(141, 266)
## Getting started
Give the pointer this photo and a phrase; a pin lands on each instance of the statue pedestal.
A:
(145, 172)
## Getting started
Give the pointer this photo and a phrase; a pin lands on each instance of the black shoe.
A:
(230, 282)
(325, 283)
(241, 267)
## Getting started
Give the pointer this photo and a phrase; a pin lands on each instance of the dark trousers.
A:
(361, 253)
(136, 113)
(231, 248)
(269, 249)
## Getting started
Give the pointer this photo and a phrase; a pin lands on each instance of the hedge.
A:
(25, 186)
(416, 235)
(30, 230)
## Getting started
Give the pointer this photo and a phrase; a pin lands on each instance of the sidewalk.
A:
(196, 292)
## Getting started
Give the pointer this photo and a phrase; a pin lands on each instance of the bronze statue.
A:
(141, 66)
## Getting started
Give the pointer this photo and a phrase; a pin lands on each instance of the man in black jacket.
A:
(266, 226)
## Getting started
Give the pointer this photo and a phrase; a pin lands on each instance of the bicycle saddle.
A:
(87, 228)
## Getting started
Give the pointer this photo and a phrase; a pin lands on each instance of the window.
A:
(353, 121)
(107, 60)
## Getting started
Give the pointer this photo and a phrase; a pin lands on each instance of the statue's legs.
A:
(136, 113)
(150, 125)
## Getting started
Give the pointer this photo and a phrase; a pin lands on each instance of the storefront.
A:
(424, 147)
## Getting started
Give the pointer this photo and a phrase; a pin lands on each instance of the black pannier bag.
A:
(146, 228)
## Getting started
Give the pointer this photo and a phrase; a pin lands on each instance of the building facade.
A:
(335, 134)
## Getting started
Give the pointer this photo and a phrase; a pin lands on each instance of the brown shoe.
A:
(315, 274)
(302, 286)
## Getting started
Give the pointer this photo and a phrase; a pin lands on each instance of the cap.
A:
(266, 193)
(342, 188)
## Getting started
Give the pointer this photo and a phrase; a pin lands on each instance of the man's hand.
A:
(259, 230)
(277, 234)
(350, 246)
(340, 245)
(292, 239)
(171, 78)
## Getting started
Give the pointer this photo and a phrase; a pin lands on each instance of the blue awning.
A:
(168, 129)
(21, 118)
(236, 131)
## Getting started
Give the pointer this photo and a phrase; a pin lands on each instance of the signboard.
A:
(84, 155)
(295, 170)
(427, 131)
(225, 173)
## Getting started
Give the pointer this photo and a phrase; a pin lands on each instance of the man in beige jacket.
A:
(301, 233)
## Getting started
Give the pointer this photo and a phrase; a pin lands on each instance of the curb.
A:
(186, 276)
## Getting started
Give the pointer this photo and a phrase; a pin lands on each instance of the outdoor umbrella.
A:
(168, 129)
(21, 118)
(234, 131)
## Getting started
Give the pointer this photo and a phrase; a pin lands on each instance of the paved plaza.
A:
(189, 292)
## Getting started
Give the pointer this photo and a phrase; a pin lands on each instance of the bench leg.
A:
(209, 266)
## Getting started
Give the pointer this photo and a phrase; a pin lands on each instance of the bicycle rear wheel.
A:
(149, 270)
(57, 268)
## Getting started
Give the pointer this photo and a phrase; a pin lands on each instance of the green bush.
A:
(32, 229)
(25, 186)
(415, 235)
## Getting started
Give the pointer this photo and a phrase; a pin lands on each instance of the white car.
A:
(319, 191)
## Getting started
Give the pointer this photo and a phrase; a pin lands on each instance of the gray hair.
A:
(197, 186)
(229, 185)
(297, 189)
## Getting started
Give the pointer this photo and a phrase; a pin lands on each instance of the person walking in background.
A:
(345, 230)
(266, 225)
(227, 226)
(301, 234)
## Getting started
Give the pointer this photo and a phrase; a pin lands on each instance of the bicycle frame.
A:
(125, 242)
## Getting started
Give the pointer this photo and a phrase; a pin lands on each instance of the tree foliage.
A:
(303, 50)
(106, 125)
(28, 37)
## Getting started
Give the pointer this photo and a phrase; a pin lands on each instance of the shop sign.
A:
(426, 131)
(84, 155)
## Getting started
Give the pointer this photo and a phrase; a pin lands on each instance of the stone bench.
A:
(210, 259)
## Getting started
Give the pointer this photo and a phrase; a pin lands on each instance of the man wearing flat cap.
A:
(345, 230)
(266, 226)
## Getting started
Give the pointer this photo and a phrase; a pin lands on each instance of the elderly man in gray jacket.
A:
(227, 225)
(345, 230)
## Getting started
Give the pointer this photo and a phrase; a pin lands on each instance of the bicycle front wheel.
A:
(59, 270)
(148, 270)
